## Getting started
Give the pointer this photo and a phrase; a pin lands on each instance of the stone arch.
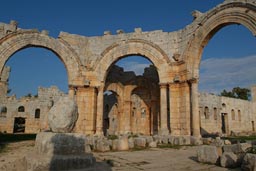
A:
(210, 23)
(132, 47)
(12, 43)
(114, 87)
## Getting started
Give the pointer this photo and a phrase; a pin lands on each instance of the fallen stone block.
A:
(228, 160)
(249, 162)
(207, 154)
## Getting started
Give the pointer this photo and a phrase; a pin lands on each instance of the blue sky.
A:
(35, 67)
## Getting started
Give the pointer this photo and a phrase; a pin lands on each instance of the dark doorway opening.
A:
(19, 125)
(223, 123)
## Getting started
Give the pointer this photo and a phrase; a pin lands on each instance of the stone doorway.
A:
(19, 125)
(224, 123)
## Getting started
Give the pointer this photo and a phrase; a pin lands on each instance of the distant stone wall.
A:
(236, 115)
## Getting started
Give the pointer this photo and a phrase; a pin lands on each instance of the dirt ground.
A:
(157, 159)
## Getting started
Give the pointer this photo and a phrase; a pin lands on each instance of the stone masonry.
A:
(175, 55)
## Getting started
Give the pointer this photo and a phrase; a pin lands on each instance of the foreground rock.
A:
(229, 160)
(63, 115)
(249, 162)
(59, 152)
(207, 154)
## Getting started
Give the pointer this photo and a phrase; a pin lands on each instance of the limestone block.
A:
(63, 115)
(102, 145)
(140, 142)
(48, 143)
(249, 162)
(165, 139)
(236, 148)
(131, 143)
(122, 143)
(228, 160)
(207, 141)
(207, 154)
(227, 142)
(157, 138)
(217, 142)
(171, 139)
(149, 139)
(152, 144)
(114, 144)
(195, 140)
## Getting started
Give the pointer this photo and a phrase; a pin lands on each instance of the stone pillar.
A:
(163, 109)
(195, 108)
(99, 121)
(86, 103)
(125, 126)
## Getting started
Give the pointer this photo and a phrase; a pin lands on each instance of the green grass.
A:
(7, 138)
(172, 146)
(240, 138)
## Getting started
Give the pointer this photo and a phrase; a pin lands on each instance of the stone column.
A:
(163, 109)
(99, 121)
(195, 108)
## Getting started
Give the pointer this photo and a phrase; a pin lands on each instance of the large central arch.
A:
(133, 47)
(22, 39)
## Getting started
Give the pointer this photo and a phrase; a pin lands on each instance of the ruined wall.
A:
(45, 100)
(240, 114)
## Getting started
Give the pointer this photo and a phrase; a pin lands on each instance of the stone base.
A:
(35, 162)
(60, 151)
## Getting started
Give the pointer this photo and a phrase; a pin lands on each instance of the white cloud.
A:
(217, 74)
(137, 67)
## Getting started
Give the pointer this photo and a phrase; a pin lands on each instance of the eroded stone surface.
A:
(63, 115)
(207, 154)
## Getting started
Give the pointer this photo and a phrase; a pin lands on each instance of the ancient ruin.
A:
(164, 100)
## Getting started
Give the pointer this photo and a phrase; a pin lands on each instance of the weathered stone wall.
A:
(240, 114)
(45, 100)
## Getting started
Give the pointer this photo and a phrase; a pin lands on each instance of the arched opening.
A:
(21, 109)
(227, 59)
(35, 67)
(230, 55)
(135, 80)
(215, 115)
(206, 113)
(239, 115)
(233, 115)
(3, 112)
(110, 113)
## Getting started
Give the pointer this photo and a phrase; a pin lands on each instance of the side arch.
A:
(225, 14)
(132, 47)
(12, 43)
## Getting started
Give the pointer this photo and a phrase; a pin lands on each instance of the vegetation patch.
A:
(241, 139)
(112, 137)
